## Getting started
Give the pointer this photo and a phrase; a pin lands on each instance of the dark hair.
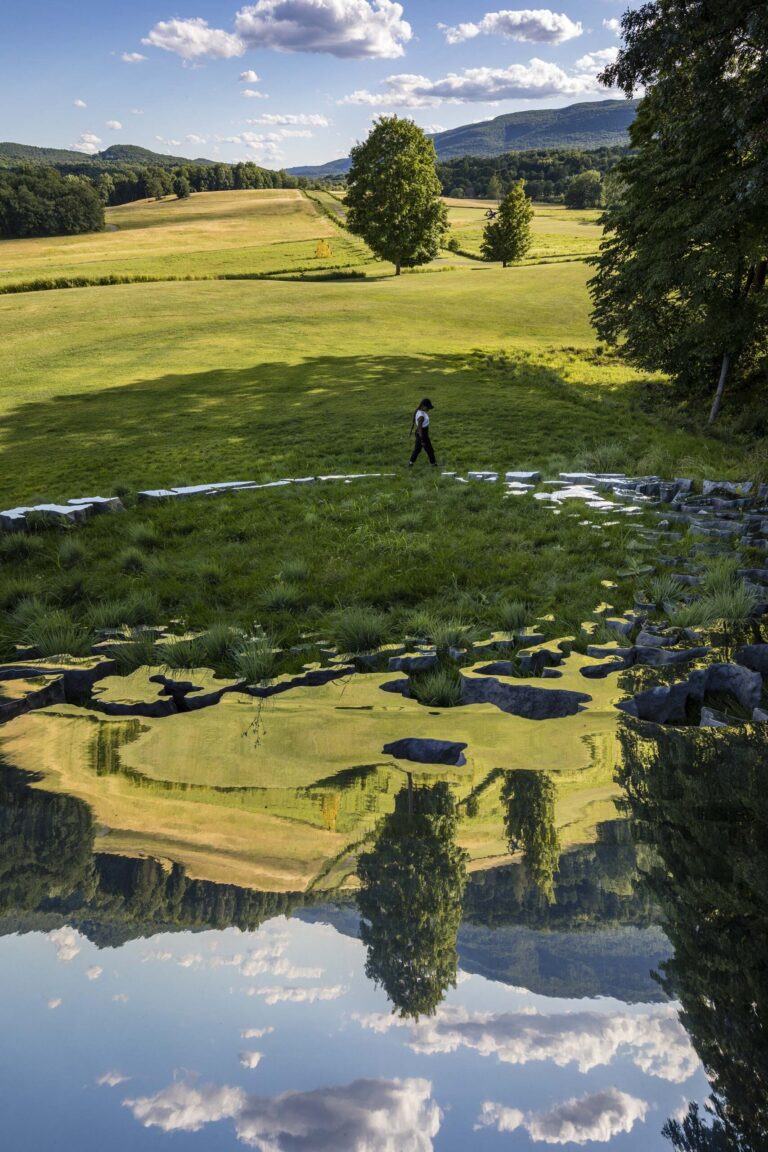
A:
(426, 403)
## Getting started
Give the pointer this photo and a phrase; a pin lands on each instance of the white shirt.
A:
(422, 418)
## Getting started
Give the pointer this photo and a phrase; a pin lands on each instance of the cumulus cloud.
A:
(251, 1059)
(254, 94)
(284, 994)
(377, 1115)
(139, 112)
(193, 138)
(93, 972)
(89, 143)
(65, 940)
(132, 57)
(595, 60)
(191, 959)
(249, 77)
(79, 104)
(114, 125)
(536, 25)
(655, 1041)
(432, 129)
(346, 28)
(597, 1117)
(613, 25)
(193, 38)
(312, 119)
(111, 1079)
(256, 1033)
(55, 1002)
(157, 954)
(535, 79)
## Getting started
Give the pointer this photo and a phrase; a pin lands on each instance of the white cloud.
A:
(114, 125)
(254, 94)
(432, 128)
(312, 119)
(596, 60)
(284, 994)
(55, 1002)
(536, 25)
(111, 1079)
(256, 1033)
(251, 1059)
(375, 1115)
(79, 104)
(93, 972)
(193, 138)
(192, 39)
(346, 28)
(157, 955)
(65, 940)
(655, 1041)
(132, 57)
(535, 79)
(137, 111)
(249, 77)
(120, 998)
(89, 143)
(613, 25)
(597, 1117)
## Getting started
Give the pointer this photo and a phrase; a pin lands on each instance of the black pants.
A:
(423, 441)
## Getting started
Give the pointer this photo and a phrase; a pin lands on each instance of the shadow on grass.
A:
(326, 414)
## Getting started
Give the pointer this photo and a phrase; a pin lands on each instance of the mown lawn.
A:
(558, 233)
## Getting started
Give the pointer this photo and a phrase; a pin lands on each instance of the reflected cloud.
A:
(255, 1033)
(111, 1079)
(120, 998)
(251, 1059)
(281, 993)
(376, 1115)
(93, 972)
(158, 954)
(55, 1002)
(655, 1040)
(66, 942)
(594, 1118)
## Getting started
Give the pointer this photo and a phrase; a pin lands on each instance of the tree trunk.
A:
(503, 263)
(717, 403)
(397, 268)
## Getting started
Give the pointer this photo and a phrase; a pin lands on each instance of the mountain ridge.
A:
(13, 154)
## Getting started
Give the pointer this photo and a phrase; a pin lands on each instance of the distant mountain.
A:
(119, 155)
(595, 124)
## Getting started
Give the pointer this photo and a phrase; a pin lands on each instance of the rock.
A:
(726, 488)
(522, 700)
(711, 718)
(753, 656)
(667, 705)
(653, 640)
(759, 715)
(413, 663)
(598, 652)
(426, 751)
(100, 503)
(313, 679)
(662, 705)
(488, 476)
(51, 693)
(600, 671)
(667, 657)
(399, 687)
(523, 477)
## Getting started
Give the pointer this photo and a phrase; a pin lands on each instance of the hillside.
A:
(11, 155)
(588, 126)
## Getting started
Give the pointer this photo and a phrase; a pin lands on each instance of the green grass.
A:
(557, 233)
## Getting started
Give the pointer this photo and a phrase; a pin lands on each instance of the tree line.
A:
(42, 202)
(548, 173)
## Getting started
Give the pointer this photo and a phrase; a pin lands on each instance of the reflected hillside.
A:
(700, 803)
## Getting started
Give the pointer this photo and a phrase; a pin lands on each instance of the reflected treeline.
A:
(529, 822)
(410, 900)
(699, 799)
(48, 866)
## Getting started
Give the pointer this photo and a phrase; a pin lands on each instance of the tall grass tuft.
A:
(53, 632)
(665, 589)
(15, 546)
(437, 687)
(294, 571)
(142, 535)
(138, 651)
(511, 615)
(360, 629)
(721, 574)
(255, 660)
(132, 561)
(70, 553)
(15, 590)
(283, 595)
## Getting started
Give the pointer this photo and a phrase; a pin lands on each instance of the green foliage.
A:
(138, 651)
(438, 687)
(529, 821)
(411, 887)
(255, 659)
(511, 616)
(508, 237)
(132, 561)
(283, 594)
(584, 190)
(681, 273)
(53, 632)
(665, 589)
(546, 172)
(71, 552)
(41, 202)
(360, 629)
(393, 194)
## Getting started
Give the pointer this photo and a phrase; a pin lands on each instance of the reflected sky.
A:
(276, 1040)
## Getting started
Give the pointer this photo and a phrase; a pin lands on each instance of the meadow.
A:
(558, 233)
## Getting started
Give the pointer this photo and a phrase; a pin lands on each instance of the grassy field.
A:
(558, 233)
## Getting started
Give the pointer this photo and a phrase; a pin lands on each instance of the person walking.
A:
(421, 427)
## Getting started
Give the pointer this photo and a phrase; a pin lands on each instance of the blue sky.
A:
(284, 82)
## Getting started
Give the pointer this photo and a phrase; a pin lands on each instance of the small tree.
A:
(508, 237)
(182, 187)
(584, 190)
(393, 194)
(495, 187)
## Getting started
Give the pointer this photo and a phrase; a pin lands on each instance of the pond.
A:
(250, 925)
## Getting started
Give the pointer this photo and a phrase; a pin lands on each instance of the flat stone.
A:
(427, 751)
(100, 503)
(157, 494)
(523, 477)
(711, 718)
(413, 663)
(667, 657)
(653, 640)
(488, 476)
(522, 699)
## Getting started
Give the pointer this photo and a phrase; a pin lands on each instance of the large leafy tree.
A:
(529, 821)
(393, 194)
(411, 888)
(508, 236)
(681, 273)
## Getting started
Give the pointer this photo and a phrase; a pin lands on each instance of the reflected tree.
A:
(410, 900)
(529, 821)
(698, 798)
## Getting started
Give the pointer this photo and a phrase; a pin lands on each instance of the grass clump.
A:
(511, 616)
(294, 571)
(138, 651)
(437, 687)
(132, 561)
(15, 546)
(664, 589)
(283, 595)
(127, 611)
(360, 629)
(142, 535)
(53, 632)
(255, 660)
(70, 553)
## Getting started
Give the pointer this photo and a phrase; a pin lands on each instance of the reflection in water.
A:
(529, 821)
(412, 884)
(700, 800)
